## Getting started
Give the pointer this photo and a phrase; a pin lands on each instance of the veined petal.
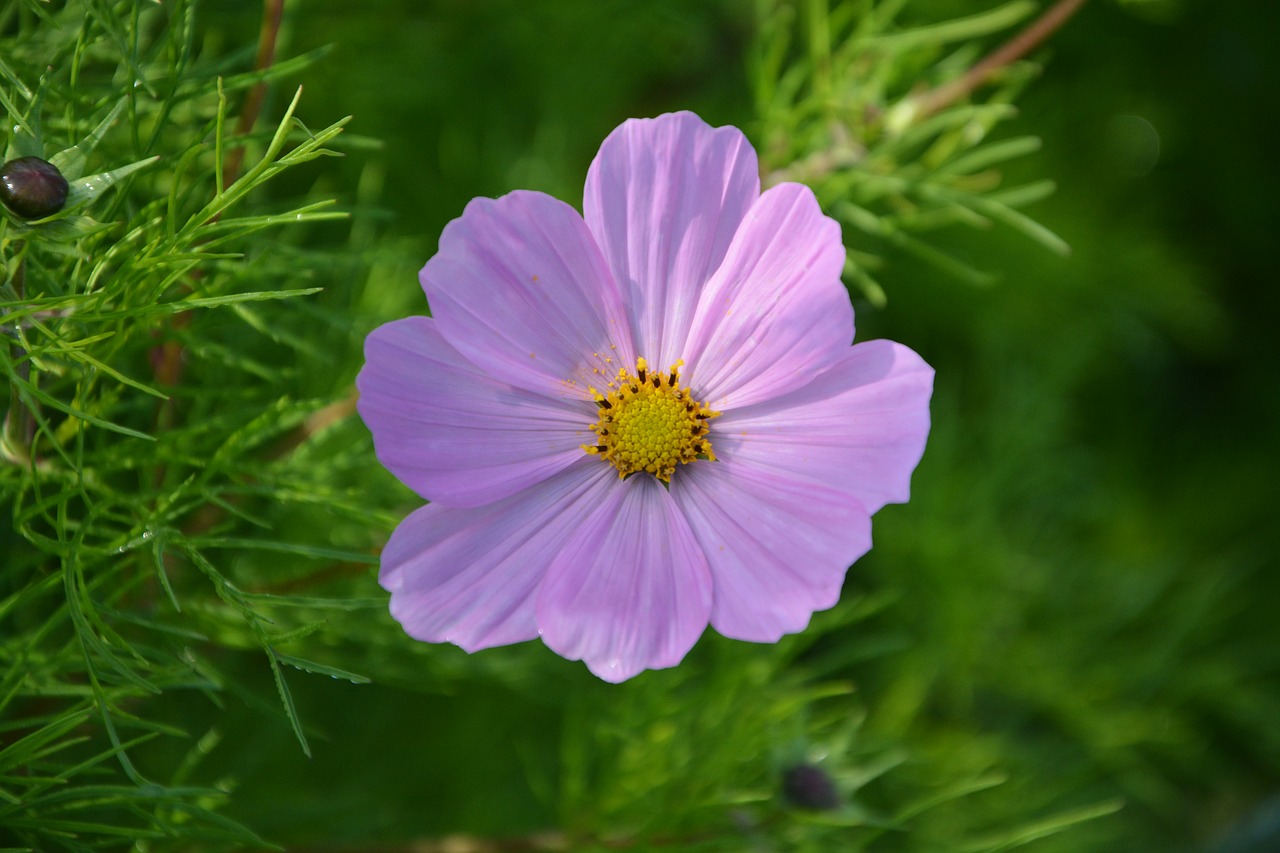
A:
(631, 590)
(470, 576)
(859, 428)
(778, 549)
(664, 197)
(451, 432)
(520, 288)
(775, 309)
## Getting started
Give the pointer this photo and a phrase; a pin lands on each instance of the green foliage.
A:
(857, 110)
(148, 417)
(1058, 645)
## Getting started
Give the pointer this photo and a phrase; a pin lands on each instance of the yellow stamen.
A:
(649, 422)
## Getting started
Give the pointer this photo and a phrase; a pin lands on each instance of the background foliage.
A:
(1067, 640)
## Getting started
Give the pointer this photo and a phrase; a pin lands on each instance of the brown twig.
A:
(316, 422)
(272, 17)
(821, 163)
(167, 359)
(1012, 50)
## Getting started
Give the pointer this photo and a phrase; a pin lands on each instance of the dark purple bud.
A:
(32, 188)
(807, 787)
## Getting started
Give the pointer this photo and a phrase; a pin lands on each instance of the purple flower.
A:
(641, 420)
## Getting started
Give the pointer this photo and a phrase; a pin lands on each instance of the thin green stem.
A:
(167, 359)
(20, 422)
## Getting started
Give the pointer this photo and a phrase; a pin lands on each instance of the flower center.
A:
(648, 422)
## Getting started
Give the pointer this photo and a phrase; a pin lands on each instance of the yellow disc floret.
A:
(648, 422)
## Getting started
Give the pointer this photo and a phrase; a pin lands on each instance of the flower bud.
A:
(808, 787)
(32, 188)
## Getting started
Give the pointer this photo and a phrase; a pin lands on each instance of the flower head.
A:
(48, 197)
(636, 421)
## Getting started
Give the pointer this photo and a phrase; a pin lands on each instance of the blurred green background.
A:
(1082, 594)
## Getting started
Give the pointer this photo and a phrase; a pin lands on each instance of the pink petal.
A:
(470, 576)
(775, 312)
(630, 591)
(449, 431)
(858, 428)
(778, 548)
(520, 288)
(664, 198)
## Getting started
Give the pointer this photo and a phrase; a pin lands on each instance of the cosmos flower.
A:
(636, 421)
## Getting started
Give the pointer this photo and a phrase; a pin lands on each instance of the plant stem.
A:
(1014, 49)
(167, 358)
(20, 421)
(272, 17)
